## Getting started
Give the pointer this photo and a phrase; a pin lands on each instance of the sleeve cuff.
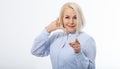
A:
(45, 32)
(81, 55)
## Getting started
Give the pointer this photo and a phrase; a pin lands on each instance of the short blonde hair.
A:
(77, 9)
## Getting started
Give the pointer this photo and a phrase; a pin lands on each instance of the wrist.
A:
(48, 29)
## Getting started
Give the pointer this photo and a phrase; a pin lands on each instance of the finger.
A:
(61, 27)
(58, 21)
(70, 44)
(60, 24)
(75, 46)
(76, 40)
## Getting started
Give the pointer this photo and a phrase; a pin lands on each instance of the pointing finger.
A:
(76, 40)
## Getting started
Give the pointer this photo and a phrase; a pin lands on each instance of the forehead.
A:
(69, 11)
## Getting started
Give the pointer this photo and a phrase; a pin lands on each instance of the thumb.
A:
(70, 44)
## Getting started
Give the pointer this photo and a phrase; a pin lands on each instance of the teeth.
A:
(71, 26)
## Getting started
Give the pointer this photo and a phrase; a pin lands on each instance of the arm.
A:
(86, 59)
(41, 45)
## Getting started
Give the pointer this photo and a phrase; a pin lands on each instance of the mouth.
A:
(71, 26)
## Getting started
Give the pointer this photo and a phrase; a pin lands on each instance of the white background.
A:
(22, 20)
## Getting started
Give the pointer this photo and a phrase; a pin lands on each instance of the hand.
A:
(54, 26)
(75, 45)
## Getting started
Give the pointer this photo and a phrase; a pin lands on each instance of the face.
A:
(69, 20)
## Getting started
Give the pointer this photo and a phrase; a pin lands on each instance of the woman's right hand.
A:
(54, 26)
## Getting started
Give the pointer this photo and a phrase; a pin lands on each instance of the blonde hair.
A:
(77, 9)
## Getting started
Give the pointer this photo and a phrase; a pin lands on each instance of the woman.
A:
(70, 48)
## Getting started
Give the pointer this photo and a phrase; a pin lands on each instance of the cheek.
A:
(75, 21)
(65, 22)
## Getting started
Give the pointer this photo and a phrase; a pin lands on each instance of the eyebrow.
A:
(68, 15)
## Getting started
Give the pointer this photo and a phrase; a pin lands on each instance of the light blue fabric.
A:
(62, 54)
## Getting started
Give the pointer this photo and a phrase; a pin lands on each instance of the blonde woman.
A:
(70, 48)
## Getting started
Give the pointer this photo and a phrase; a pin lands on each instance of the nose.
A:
(72, 21)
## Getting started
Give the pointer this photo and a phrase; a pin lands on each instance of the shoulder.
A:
(57, 33)
(87, 42)
(83, 37)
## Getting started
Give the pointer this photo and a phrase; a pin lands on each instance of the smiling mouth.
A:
(71, 26)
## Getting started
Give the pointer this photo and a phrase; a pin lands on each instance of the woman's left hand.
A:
(75, 45)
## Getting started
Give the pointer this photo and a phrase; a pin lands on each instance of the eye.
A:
(75, 17)
(67, 17)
